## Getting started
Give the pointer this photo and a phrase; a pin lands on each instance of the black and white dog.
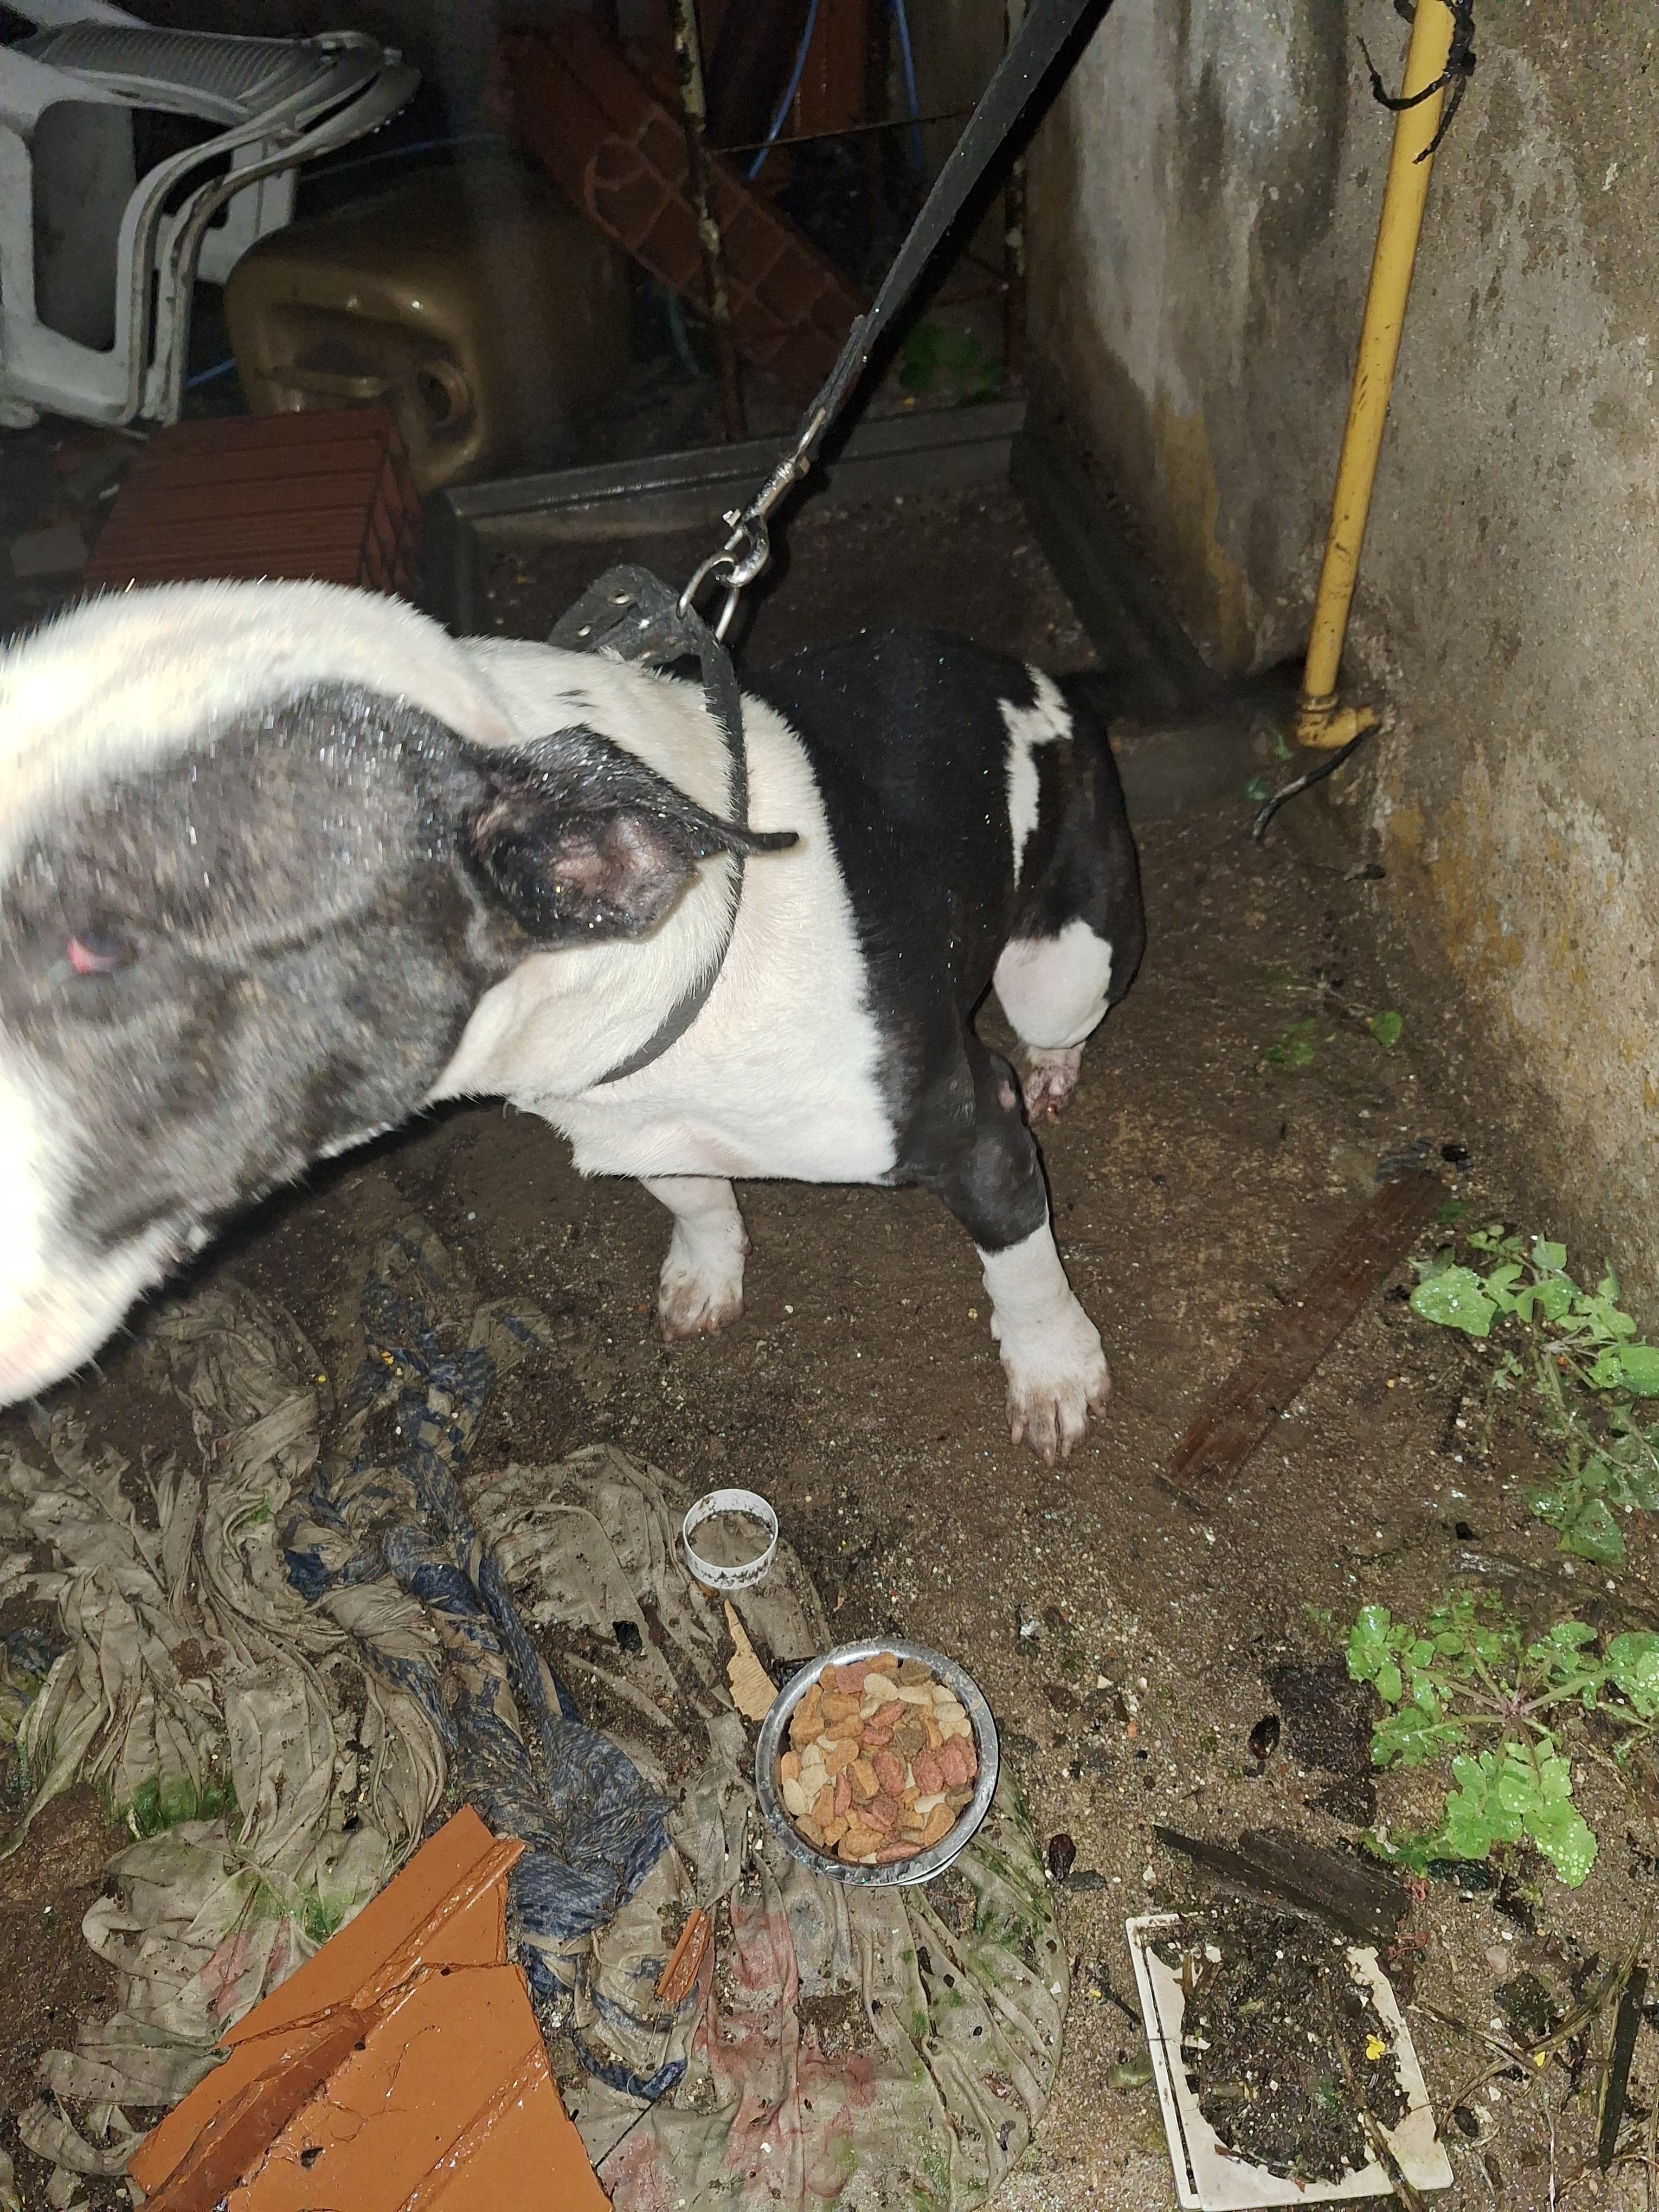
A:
(280, 864)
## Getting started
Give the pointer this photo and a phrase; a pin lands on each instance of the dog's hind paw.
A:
(1050, 1079)
(690, 1307)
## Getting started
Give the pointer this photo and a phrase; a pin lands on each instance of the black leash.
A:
(1031, 53)
(630, 616)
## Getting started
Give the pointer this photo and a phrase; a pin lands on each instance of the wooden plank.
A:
(1290, 1346)
(1280, 1868)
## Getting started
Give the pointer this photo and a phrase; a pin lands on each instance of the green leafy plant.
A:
(935, 356)
(1587, 1366)
(1297, 1047)
(1467, 1686)
(1269, 976)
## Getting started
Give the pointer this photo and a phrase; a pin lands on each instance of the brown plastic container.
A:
(487, 314)
(324, 497)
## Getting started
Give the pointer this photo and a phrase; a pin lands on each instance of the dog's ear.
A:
(577, 840)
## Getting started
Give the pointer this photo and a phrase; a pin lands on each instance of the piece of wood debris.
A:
(679, 1976)
(1280, 1868)
(1289, 1346)
(752, 1690)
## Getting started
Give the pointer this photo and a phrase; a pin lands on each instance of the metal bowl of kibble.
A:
(910, 1706)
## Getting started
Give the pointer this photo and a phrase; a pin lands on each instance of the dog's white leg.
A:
(986, 1170)
(1054, 991)
(702, 1288)
(1051, 1350)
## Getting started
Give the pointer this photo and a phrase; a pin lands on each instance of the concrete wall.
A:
(1205, 199)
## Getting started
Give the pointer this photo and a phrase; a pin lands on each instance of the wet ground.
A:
(1128, 1644)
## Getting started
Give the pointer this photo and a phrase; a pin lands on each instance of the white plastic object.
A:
(749, 1571)
(1208, 2176)
(117, 281)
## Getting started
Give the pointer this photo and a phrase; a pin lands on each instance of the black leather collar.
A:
(631, 616)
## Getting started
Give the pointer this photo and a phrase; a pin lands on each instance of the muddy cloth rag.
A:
(277, 1756)
(856, 2046)
(385, 1508)
(25, 1657)
(271, 1780)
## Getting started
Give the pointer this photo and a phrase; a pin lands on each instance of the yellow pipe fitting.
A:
(1326, 727)
(1321, 723)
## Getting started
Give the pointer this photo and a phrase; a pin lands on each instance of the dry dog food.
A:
(881, 1761)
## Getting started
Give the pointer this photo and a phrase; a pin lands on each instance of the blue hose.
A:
(207, 375)
(401, 152)
(908, 63)
(789, 100)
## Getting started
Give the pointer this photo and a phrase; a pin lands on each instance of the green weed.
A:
(321, 1916)
(935, 357)
(1299, 1043)
(1466, 1686)
(318, 1916)
(1586, 1364)
(1297, 1047)
(1272, 977)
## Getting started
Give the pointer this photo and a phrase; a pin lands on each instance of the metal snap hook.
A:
(716, 564)
(739, 560)
(748, 565)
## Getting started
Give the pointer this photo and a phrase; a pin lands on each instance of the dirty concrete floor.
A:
(1126, 1642)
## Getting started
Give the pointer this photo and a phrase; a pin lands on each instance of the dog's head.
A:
(263, 848)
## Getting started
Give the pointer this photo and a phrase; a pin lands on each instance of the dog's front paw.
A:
(701, 1290)
(1057, 1376)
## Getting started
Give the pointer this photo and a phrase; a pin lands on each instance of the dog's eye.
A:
(89, 955)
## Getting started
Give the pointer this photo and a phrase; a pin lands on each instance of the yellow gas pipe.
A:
(1320, 721)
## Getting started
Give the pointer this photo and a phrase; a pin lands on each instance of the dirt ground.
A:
(1128, 1645)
